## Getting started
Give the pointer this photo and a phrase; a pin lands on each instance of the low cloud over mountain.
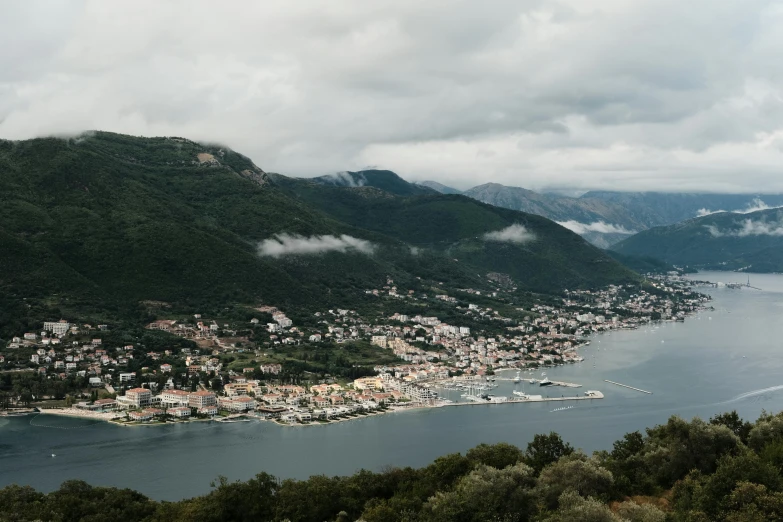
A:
(293, 244)
(596, 226)
(749, 228)
(511, 234)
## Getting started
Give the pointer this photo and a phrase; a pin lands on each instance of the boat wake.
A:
(754, 393)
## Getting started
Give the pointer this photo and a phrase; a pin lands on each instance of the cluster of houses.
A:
(288, 403)
(428, 350)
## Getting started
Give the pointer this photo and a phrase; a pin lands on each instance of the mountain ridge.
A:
(107, 221)
(750, 242)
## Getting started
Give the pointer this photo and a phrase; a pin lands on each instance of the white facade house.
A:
(57, 327)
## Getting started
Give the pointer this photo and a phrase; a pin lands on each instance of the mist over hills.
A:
(606, 217)
(750, 242)
(107, 221)
(381, 179)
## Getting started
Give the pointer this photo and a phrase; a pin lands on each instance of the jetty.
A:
(552, 383)
(589, 395)
(629, 387)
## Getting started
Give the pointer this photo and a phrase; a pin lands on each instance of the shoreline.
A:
(112, 417)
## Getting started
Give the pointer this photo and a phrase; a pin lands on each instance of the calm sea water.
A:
(717, 361)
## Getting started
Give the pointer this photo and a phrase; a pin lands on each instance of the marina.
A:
(589, 395)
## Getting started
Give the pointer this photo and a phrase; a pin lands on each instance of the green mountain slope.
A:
(115, 217)
(456, 225)
(752, 242)
(106, 221)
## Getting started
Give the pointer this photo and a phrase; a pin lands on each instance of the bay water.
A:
(729, 358)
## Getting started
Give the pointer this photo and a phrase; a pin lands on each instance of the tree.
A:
(709, 493)
(486, 493)
(633, 512)
(546, 449)
(496, 455)
(574, 508)
(573, 472)
(733, 421)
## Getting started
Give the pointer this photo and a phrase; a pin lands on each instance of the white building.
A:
(57, 327)
(174, 398)
(138, 397)
(180, 412)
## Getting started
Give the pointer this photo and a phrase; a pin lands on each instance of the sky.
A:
(665, 95)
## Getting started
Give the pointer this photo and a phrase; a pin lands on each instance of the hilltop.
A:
(443, 189)
(102, 223)
(752, 242)
(385, 180)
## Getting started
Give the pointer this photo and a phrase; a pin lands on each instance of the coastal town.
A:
(223, 371)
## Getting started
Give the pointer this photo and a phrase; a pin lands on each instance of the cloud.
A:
(345, 179)
(755, 205)
(437, 90)
(595, 226)
(706, 212)
(293, 244)
(749, 228)
(511, 234)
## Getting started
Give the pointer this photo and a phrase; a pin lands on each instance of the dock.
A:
(629, 387)
(554, 383)
(592, 395)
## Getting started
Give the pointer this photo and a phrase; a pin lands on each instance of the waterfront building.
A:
(180, 412)
(202, 399)
(174, 398)
(138, 397)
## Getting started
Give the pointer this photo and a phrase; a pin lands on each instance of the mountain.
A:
(537, 253)
(443, 189)
(103, 223)
(751, 242)
(602, 223)
(385, 180)
(605, 218)
(662, 208)
(641, 264)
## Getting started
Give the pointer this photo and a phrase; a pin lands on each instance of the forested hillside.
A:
(103, 222)
(725, 241)
(722, 470)
(541, 255)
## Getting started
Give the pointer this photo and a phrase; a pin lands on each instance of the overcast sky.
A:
(612, 94)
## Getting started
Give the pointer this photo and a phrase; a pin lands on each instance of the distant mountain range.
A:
(605, 217)
(751, 242)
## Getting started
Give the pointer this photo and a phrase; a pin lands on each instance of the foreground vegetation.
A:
(697, 471)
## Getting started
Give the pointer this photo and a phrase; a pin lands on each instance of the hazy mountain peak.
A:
(381, 179)
(443, 189)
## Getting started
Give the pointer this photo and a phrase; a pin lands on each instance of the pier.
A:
(629, 387)
(535, 381)
(589, 395)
